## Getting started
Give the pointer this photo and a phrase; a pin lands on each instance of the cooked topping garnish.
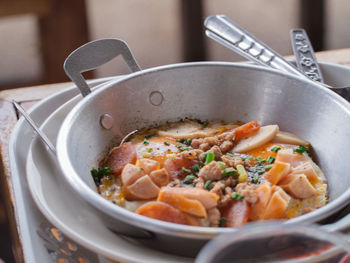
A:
(209, 157)
(222, 165)
(208, 185)
(189, 179)
(222, 221)
(215, 174)
(302, 149)
(97, 174)
(271, 159)
(275, 148)
(229, 172)
(187, 141)
(187, 171)
(242, 173)
(195, 168)
(237, 197)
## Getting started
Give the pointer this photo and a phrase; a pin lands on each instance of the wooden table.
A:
(27, 97)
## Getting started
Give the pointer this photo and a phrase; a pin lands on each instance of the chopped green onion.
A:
(255, 180)
(271, 159)
(301, 149)
(189, 179)
(259, 159)
(275, 149)
(222, 165)
(248, 158)
(145, 141)
(268, 167)
(229, 172)
(188, 171)
(181, 149)
(208, 186)
(97, 174)
(188, 141)
(195, 168)
(146, 154)
(234, 197)
(242, 173)
(237, 196)
(180, 140)
(209, 157)
(222, 221)
(167, 143)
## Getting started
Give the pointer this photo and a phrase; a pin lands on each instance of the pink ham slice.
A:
(142, 189)
(307, 169)
(148, 165)
(277, 206)
(160, 177)
(208, 200)
(118, 157)
(130, 174)
(293, 158)
(298, 186)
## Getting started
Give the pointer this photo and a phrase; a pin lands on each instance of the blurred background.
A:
(37, 35)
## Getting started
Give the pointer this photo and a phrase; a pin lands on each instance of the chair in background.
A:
(62, 28)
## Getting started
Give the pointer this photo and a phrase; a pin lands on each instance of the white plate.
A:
(58, 203)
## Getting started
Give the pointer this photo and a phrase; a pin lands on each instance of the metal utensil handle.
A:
(94, 54)
(42, 135)
(228, 33)
(304, 54)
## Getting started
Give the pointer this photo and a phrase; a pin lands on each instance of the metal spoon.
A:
(42, 136)
(231, 35)
(305, 58)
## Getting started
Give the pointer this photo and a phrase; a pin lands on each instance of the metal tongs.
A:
(231, 35)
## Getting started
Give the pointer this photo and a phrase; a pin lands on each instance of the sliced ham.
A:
(162, 211)
(184, 204)
(263, 193)
(160, 177)
(131, 173)
(148, 165)
(120, 156)
(142, 189)
(307, 169)
(277, 206)
(291, 157)
(278, 171)
(174, 167)
(285, 155)
(208, 200)
(299, 186)
(236, 213)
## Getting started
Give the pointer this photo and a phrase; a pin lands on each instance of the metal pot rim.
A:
(150, 224)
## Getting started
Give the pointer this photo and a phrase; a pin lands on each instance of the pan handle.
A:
(94, 54)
